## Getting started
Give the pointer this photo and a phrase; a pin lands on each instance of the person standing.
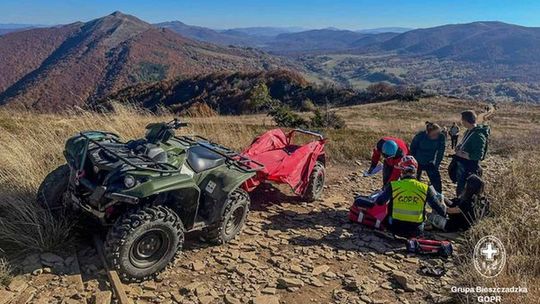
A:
(471, 150)
(444, 132)
(392, 149)
(454, 135)
(428, 148)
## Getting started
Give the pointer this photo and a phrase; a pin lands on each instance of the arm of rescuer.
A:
(432, 198)
(385, 196)
(376, 155)
(435, 201)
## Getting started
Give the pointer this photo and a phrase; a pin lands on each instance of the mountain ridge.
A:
(90, 60)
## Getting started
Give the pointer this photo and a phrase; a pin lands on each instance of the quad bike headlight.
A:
(129, 181)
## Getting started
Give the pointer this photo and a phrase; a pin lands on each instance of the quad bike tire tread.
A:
(128, 223)
(51, 190)
(311, 194)
(215, 235)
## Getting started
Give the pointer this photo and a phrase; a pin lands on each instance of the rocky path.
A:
(289, 252)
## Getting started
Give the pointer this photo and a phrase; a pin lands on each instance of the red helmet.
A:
(408, 163)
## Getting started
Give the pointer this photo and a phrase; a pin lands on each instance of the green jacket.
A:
(428, 151)
(475, 142)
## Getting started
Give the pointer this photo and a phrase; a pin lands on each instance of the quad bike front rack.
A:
(143, 162)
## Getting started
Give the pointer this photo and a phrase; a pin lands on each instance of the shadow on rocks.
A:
(329, 227)
(266, 195)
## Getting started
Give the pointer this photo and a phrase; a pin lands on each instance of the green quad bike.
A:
(150, 192)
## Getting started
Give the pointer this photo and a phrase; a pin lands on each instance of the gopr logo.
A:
(489, 256)
(408, 199)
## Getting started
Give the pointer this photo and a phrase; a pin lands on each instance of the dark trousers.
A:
(405, 229)
(433, 174)
(464, 169)
(454, 139)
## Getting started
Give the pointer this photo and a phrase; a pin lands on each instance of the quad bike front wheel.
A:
(233, 218)
(316, 183)
(51, 192)
(143, 242)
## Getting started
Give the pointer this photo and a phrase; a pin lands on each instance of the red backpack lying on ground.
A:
(366, 212)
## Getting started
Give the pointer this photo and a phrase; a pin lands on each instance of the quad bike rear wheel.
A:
(316, 183)
(51, 192)
(143, 242)
(233, 218)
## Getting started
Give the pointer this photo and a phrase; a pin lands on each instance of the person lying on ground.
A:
(428, 148)
(407, 198)
(465, 210)
(391, 149)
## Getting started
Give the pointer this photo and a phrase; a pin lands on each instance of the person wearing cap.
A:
(391, 149)
(407, 198)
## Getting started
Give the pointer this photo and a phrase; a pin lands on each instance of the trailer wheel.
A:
(143, 242)
(233, 218)
(316, 183)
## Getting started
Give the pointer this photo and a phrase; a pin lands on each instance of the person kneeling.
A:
(407, 200)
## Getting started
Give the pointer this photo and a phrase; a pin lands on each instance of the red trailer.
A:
(300, 166)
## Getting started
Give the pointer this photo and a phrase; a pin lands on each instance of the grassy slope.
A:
(31, 145)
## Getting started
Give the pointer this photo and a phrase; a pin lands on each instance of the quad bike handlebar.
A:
(176, 124)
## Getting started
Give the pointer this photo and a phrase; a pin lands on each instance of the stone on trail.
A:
(197, 265)
(201, 290)
(273, 233)
(402, 280)
(17, 285)
(6, 296)
(103, 297)
(290, 282)
(229, 299)
(25, 297)
(296, 269)
(316, 282)
(381, 267)
(190, 287)
(206, 299)
(391, 265)
(266, 299)
(269, 290)
(149, 285)
(317, 270)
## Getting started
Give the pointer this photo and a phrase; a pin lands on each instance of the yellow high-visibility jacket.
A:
(409, 200)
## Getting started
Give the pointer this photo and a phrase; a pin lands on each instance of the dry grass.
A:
(5, 271)
(516, 222)
(31, 146)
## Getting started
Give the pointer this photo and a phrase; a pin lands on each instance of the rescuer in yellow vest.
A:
(407, 198)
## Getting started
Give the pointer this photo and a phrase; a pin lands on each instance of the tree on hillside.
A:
(381, 90)
(326, 119)
(259, 98)
(285, 117)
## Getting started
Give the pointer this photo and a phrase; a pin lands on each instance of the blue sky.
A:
(351, 14)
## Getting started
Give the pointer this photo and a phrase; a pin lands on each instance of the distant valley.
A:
(83, 63)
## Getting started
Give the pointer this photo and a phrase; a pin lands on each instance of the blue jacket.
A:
(428, 151)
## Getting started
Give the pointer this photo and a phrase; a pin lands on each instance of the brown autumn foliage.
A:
(57, 68)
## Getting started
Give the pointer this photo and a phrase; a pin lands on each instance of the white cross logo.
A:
(489, 252)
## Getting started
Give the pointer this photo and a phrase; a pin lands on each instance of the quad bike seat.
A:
(200, 159)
